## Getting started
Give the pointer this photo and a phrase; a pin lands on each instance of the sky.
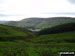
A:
(19, 9)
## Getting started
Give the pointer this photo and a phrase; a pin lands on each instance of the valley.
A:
(37, 37)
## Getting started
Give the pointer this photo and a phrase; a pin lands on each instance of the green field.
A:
(57, 38)
(20, 42)
(33, 49)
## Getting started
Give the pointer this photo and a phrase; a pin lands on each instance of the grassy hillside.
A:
(34, 49)
(43, 45)
(41, 22)
(58, 29)
(8, 33)
(56, 38)
(51, 44)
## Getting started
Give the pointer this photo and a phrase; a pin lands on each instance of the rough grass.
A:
(8, 33)
(44, 45)
(32, 49)
(59, 37)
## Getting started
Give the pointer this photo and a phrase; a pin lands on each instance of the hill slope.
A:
(60, 33)
(41, 22)
(8, 33)
(43, 45)
(66, 37)
(58, 29)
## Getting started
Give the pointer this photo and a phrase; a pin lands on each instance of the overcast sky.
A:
(20, 9)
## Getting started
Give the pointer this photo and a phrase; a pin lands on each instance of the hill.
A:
(58, 29)
(29, 22)
(41, 23)
(43, 45)
(59, 33)
(52, 43)
(65, 37)
(9, 33)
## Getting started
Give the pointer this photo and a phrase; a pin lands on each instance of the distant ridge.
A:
(41, 22)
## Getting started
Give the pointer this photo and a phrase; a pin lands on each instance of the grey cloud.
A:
(72, 1)
(67, 13)
(61, 13)
(4, 15)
